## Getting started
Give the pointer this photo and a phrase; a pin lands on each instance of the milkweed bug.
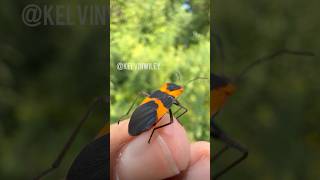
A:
(92, 161)
(154, 107)
(221, 89)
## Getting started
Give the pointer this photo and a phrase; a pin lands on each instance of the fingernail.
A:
(168, 155)
(140, 160)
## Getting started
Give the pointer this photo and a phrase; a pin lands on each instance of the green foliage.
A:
(165, 33)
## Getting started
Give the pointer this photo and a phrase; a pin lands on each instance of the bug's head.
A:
(172, 89)
(223, 84)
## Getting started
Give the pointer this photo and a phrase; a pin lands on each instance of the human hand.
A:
(168, 156)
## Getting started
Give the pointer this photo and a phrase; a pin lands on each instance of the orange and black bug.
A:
(221, 89)
(154, 107)
(92, 161)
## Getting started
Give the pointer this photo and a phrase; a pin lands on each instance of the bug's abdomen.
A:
(149, 112)
(143, 118)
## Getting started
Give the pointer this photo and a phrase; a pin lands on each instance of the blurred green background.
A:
(175, 34)
(275, 111)
(48, 77)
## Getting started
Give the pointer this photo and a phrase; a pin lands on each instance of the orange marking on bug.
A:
(174, 93)
(161, 110)
(105, 130)
(164, 89)
(219, 96)
(147, 99)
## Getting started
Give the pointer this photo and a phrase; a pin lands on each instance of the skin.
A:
(169, 155)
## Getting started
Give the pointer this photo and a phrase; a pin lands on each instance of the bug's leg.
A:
(71, 139)
(237, 147)
(132, 105)
(229, 143)
(219, 153)
(177, 111)
(185, 110)
(171, 121)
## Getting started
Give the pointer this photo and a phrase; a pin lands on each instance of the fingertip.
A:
(118, 137)
(167, 154)
(176, 138)
(199, 170)
(199, 167)
(200, 149)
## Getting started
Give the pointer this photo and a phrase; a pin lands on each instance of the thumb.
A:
(167, 154)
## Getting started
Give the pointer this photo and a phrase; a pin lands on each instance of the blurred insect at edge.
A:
(223, 87)
(92, 161)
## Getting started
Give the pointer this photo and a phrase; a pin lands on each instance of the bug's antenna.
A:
(190, 81)
(197, 78)
(271, 57)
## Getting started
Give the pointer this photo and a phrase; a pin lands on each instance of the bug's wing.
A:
(92, 161)
(143, 118)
